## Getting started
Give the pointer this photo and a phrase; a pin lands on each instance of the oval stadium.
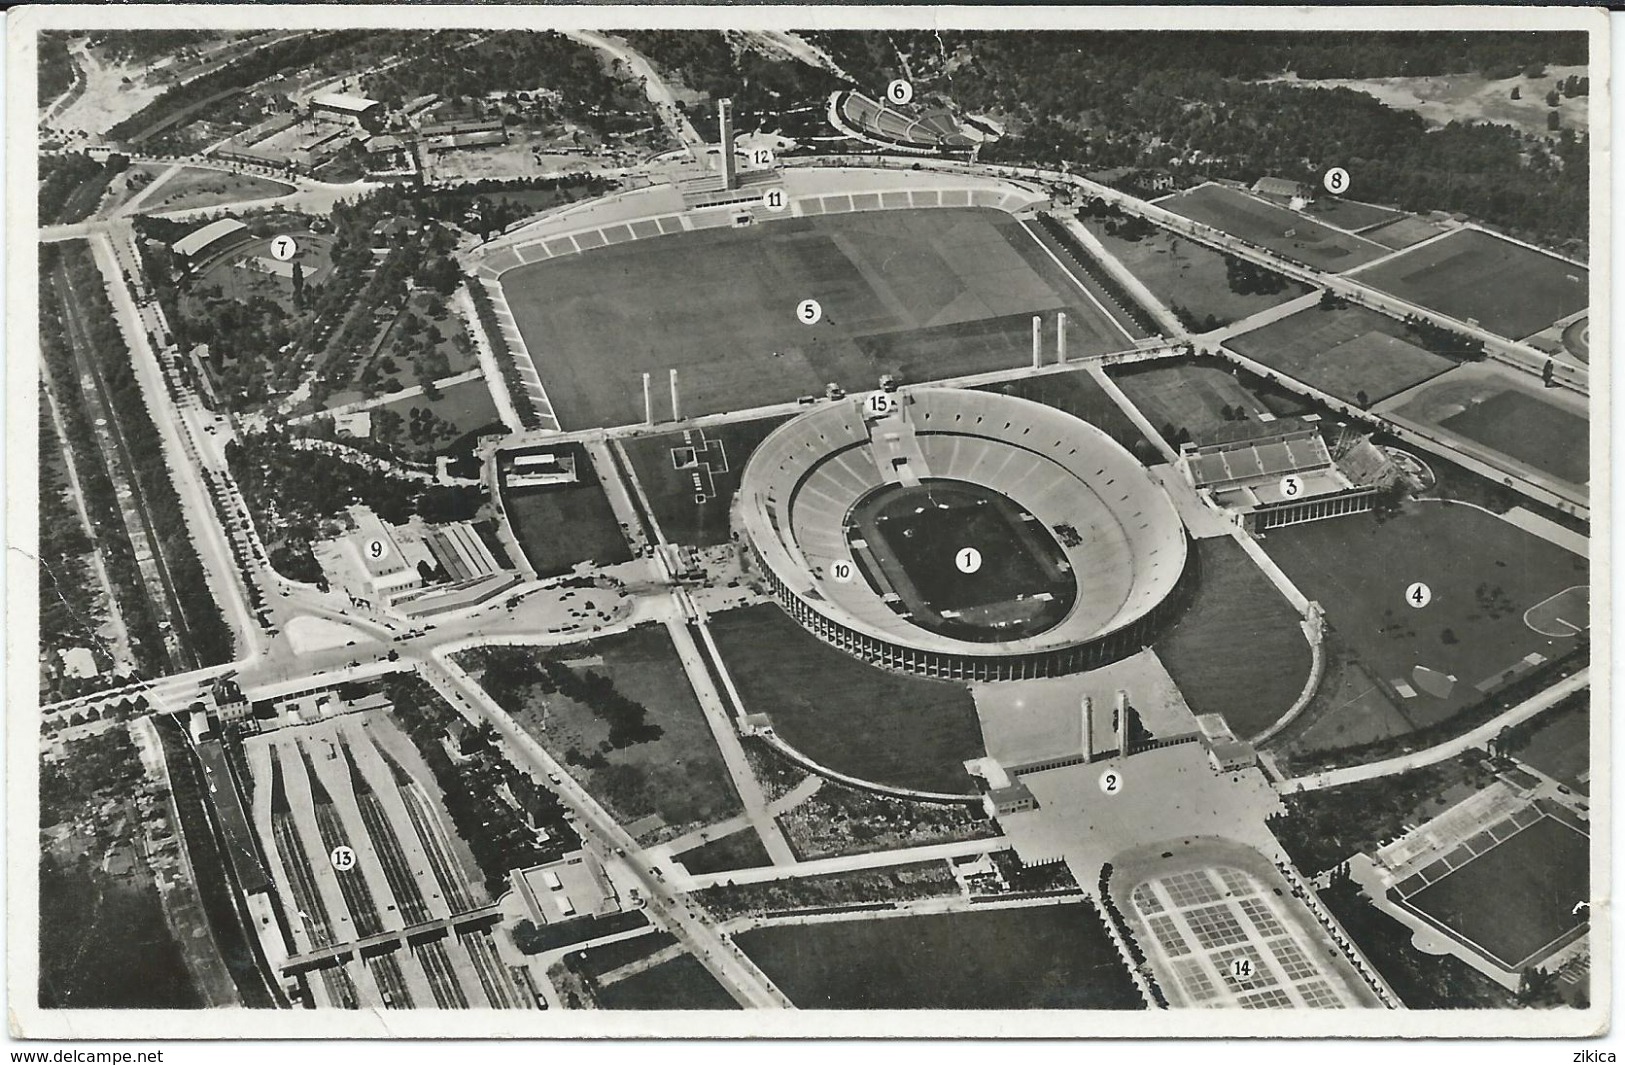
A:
(861, 513)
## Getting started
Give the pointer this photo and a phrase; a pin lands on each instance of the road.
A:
(1478, 737)
(691, 925)
(659, 93)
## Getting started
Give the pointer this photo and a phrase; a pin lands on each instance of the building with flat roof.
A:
(1285, 478)
(209, 239)
(357, 109)
(574, 886)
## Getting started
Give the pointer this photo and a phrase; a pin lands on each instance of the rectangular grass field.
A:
(1517, 897)
(1043, 957)
(690, 476)
(1282, 231)
(1507, 288)
(1185, 395)
(924, 294)
(1345, 351)
(1495, 408)
(1483, 574)
(1351, 214)
(562, 526)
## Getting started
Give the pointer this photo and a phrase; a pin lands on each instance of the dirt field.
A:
(1506, 288)
(1472, 98)
(923, 294)
(1276, 228)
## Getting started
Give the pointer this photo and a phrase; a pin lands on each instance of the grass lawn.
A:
(924, 294)
(1042, 957)
(611, 956)
(1191, 275)
(1541, 434)
(680, 984)
(679, 777)
(719, 457)
(1351, 707)
(1560, 745)
(1078, 394)
(1188, 396)
(466, 407)
(873, 723)
(1404, 232)
(1507, 288)
(1238, 649)
(1483, 573)
(1282, 231)
(1344, 352)
(1350, 214)
(1518, 896)
(742, 850)
(196, 187)
(561, 526)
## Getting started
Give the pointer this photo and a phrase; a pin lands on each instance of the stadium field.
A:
(875, 724)
(690, 476)
(1483, 573)
(720, 307)
(1077, 393)
(1189, 396)
(1041, 957)
(1490, 409)
(1238, 650)
(1282, 231)
(1518, 897)
(560, 526)
(914, 535)
(1507, 288)
(1344, 351)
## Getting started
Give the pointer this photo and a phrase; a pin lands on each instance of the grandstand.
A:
(1058, 603)
(934, 129)
(1248, 478)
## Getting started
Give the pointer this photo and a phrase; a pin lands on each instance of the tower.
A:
(725, 121)
(1060, 337)
(648, 403)
(676, 411)
(1038, 340)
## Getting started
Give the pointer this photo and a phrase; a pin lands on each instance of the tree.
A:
(1554, 120)
(298, 287)
(1517, 93)
(1552, 98)
(1362, 399)
(1547, 372)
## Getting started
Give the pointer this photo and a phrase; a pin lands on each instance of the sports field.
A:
(680, 984)
(1238, 649)
(873, 723)
(1483, 574)
(1042, 957)
(915, 534)
(1350, 214)
(1077, 393)
(1519, 896)
(1188, 276)
(1282, 231)
(690, 476)
(1489, 408)
(1344, 351)
(1473, 276)
(561, 526)
(924, 294)
(1190, 396)
(1560, 744)
(1403, 232)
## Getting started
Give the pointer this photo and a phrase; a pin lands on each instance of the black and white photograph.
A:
(547, 522)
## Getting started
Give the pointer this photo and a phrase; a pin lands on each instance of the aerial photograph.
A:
(541, 515)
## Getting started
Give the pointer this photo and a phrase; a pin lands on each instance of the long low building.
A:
(206, 240)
